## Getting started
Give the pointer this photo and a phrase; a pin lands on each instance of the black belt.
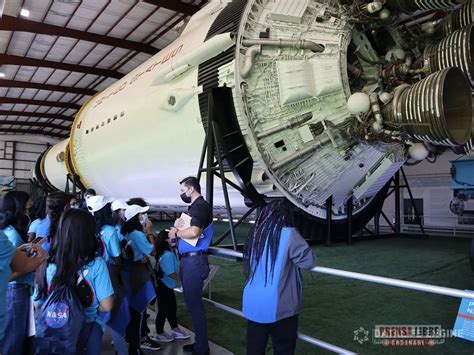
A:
(193, 253)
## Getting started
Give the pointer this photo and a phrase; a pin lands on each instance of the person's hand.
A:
(38, 253)
(144, 259)
(27, 259)
(149, 227)
(172, 233)
(179, 223)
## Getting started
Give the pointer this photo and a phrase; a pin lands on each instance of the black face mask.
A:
(186, 199)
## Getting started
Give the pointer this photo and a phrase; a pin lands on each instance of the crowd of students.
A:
(87, 267)
(102, 253)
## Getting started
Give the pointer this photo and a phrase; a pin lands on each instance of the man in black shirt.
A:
(194, 268)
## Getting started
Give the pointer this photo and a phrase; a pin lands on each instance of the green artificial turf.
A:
(333, 307)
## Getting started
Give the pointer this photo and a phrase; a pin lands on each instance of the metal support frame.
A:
(395, 188)
(349, 208)
(328, 220)
(413, 202)
(75, 182)
(396, 180)
(215, 157)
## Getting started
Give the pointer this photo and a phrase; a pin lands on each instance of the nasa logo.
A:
(57, 315)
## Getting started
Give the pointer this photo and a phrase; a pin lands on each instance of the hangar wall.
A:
(17, 159)
(430, 185)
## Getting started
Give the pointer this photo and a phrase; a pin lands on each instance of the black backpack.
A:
(126, 251)
(60, 322)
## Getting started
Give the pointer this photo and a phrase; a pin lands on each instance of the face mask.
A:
(144, 220)
(75, 205)
(185, 198)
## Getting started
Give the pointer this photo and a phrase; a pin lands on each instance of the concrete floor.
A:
(172, 348)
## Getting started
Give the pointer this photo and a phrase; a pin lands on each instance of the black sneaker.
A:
(150, 344)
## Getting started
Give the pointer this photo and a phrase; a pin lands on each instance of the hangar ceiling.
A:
(54, 58)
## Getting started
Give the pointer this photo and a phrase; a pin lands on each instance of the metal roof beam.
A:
(29, 85)
(54, 116)
(34, 124)
(16, 100)
(34, 62)
(10, 23)
(176, 5)
(33, 131)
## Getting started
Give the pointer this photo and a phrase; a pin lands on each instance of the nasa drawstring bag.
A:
(59, 322)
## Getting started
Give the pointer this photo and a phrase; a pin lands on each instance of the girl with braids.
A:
(56, 204)
(274, 252)
(73, 261)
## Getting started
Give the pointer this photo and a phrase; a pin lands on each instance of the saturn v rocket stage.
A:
(324, 99)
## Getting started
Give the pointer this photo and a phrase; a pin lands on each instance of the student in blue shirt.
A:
(19, 290)
(273, 255)
(73, 259)
(118, 212)
(37, 215)
(13, 264)
(56, 204)
(109, 249)
(140, 290)
(167, 272)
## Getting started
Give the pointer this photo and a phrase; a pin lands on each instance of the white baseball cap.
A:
(133, 210)
(119, 205)
(96, 203)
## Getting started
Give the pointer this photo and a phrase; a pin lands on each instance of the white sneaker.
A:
(164, 337)
(179, 333)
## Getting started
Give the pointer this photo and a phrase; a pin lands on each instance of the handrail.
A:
(452, 292)
(303, 337)
(306, 338)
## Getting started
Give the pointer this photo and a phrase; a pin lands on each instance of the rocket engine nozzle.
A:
(456, 50)
(436, 109)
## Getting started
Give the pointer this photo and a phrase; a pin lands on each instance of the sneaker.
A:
(164, 337)
(150, 344)
(179, 333)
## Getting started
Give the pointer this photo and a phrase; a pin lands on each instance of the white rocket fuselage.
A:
(144, 133)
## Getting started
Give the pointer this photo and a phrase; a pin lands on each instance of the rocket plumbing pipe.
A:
(255, 48)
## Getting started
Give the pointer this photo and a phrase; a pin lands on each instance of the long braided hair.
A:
(266, 233)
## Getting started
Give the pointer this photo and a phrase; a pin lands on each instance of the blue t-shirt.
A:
(16, 241)
(109, 236)
(42, 231)
(118, 228)
(169, 265)
(34, 225)
(6, 254)
(43, 228)
(140, 244)
(97, 276)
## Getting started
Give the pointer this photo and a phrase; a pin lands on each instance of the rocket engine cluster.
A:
(325, 99)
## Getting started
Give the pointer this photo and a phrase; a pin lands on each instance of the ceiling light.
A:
(25, 13)
(2, 75)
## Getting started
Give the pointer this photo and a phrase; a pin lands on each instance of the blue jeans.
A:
(90, 339)
(16, 327)
(192, 272)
